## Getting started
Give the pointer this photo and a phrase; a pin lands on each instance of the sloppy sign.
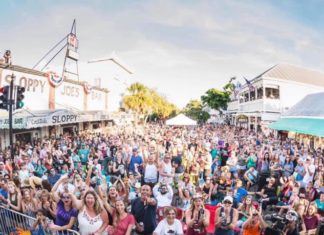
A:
(56, 118)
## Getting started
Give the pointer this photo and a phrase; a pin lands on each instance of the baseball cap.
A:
(1, 163)
(137, 185)
(228, 198)
(292, 215)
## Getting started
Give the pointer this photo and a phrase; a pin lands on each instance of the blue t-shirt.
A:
(84, 155)
(3, 193)
(240, 193)
(135, 160)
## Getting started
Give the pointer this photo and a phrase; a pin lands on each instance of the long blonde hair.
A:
(97, 205)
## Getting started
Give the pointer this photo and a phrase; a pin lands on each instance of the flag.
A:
(237, 89)
(249, 84)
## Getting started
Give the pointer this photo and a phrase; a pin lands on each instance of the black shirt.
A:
(145, 214)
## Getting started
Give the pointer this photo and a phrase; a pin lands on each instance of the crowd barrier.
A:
(15, 223)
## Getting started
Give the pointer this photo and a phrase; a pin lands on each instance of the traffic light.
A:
(20, 97)
(4, 97)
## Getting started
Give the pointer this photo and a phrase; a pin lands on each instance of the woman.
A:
(245, 210)
(14, 197)
(207, 187)
(311, 220)
(66, 215)
(169, 225)
(28, 203)
(123, 222)
(226, 218)
(92, 218)
(197, 217)
(288, 167)
(119, 166)
(47, 205)
(268, 194)
(264, 169)
(254, 224)
(40, 169)
(185, 197)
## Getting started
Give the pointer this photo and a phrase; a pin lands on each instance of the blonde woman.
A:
(14, 197)
(28, 203)
(92, 218)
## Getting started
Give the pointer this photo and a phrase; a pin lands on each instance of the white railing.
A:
(12, 222)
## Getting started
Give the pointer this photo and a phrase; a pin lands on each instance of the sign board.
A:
(36, 88)
(17, 123)
(69, 95)
(56, 118)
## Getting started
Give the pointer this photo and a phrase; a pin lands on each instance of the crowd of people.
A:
(160, 180)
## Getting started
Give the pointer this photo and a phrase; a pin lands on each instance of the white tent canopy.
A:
(181, 120)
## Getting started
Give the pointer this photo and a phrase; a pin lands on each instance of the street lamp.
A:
(114, 59)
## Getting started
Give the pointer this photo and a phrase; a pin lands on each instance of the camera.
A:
(278, 222)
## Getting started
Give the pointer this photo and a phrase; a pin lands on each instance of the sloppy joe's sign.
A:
(32, 83)
(56, 118)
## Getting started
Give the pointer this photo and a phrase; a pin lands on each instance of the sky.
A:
(182, 48)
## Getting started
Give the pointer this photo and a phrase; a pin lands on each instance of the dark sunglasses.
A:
(227, 202)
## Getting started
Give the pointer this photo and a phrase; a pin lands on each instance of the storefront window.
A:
(272, 93)
(246, 97)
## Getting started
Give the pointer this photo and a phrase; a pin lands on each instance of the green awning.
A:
(309, 126)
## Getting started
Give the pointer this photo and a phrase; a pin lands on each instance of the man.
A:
(144, 211)
(226, 218)
(84, 154)
(166, 172)
(309, 171)
(163, 194)
(3, 191)
(3, 170)
(320, 202)
(53, 177)
(135, 161)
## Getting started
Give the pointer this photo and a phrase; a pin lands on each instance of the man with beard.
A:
(144, 211)
(163, 194)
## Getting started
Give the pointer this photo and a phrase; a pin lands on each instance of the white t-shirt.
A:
(164, 228)
(307, 177)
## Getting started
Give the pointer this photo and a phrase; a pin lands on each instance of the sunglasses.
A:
(227, 202)
(66, 198)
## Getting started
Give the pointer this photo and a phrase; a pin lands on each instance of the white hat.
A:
(228, 198)
(137, 185)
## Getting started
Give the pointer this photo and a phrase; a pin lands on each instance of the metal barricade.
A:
(13, 222)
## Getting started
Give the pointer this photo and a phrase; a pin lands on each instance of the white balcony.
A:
(252, 106)
(261, 105)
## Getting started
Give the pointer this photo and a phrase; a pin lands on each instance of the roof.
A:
(181, 120)
(294, 73)
(310, 106)
(308, 126)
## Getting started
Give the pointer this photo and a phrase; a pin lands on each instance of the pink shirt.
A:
(122, 226)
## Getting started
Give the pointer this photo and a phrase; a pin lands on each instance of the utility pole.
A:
(11, 101)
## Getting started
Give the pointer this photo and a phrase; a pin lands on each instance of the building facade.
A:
(52, 105)
(275, 91)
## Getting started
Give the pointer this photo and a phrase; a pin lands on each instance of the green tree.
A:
(194, 110)
(145, 102)
(216, 99)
